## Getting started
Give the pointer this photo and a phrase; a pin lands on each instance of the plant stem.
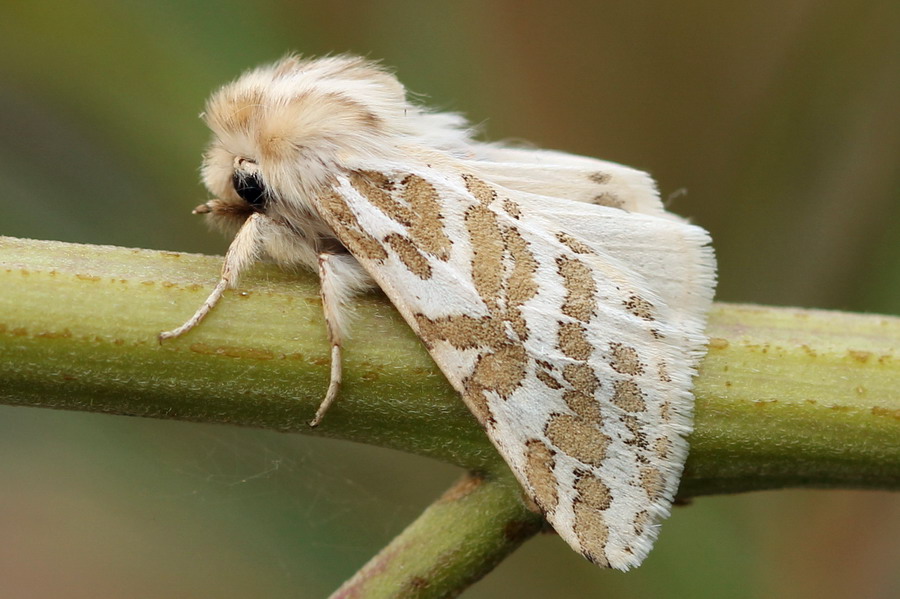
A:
(461, 537)
(785, 397)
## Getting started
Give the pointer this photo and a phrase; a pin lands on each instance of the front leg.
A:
(242, 252)
(332, 300)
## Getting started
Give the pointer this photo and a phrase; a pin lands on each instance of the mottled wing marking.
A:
(512, 209)
(553, 342)
(581, 291)
(346, 226)
(578, 438)
(653, 483)
(419, 211)
(486, 266)
(573, 342)
(625, 359)
(574, 178)
(573, 244)
(521, 285)
(377, 188)
(409, 254)
(547, 378)
(639, 307)
(539, 465)
(483, 192)
(581, 396)
(463, 331)
(628, 395)
(427, 229)
(608, 199)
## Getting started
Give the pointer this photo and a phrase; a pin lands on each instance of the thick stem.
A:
(784, 398)
(796, 398)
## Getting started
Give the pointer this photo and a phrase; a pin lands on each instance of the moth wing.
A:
(672, 257)
(561, 348)
(568, 176)
(677, 259)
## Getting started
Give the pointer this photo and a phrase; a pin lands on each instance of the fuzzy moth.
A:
(554, 291)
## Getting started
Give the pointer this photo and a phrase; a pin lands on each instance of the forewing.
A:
(564, 349)
(569, 177)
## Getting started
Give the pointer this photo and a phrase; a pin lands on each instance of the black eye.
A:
(251, 189)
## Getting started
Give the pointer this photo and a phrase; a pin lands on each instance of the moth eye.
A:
(251, 189)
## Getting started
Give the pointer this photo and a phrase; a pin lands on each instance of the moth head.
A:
(290, 126)
(282, 132)
(239, 188)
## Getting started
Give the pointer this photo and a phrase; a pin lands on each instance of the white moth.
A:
(554, 291)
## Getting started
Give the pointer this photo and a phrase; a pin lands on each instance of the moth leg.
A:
(241, 253)
(331, 305)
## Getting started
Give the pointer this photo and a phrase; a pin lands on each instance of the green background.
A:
(780, 119)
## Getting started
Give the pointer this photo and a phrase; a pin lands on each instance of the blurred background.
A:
(774, 124)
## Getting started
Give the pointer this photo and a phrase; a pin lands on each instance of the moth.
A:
(554, 291)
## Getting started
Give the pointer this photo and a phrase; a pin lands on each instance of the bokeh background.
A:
(774, 124)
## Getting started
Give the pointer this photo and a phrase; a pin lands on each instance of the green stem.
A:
(785, 397)
(461, 537)
(796, 398)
